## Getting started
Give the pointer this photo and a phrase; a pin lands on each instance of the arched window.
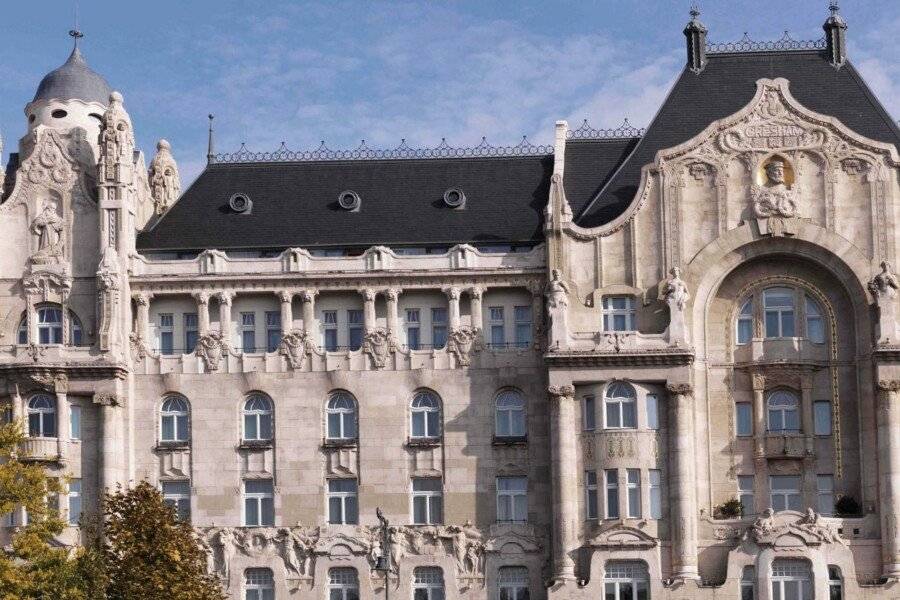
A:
(784, 413)
(259, 584)
(626, 580)
(621, 406)
(513, 583)
(257, 418)
(744, 324)
(835, 583)
(815, 325)
(42, 416)
(341, 411)
(510, 414)
(50, 328)
(426, 415)
(76, 336)
(428, 583)
(791, 580)
(173, 420)
(22, 332)
(778, 304)
(343, 584)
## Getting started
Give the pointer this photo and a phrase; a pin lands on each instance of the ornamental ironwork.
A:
(745, 44)
(586, 132)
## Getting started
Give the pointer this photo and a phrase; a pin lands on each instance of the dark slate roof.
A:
(74, 80)
(589, 165)
(727, 84)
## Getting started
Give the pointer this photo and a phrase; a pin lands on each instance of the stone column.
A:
(453, 307)
(761, 475)
(537, 314)
(110, 440)
(368, 309)
(889, 475)
(475, 296)
(809, 460)
(202, 313)
(563, 464)
(287, 311)
(309, 312)
(142, 321)
(682, 480)
(391, 296)
(225, 300)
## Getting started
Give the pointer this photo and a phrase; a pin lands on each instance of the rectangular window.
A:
(513, 583)
(428, 501)
(745, 494)
(413, 339)
(75, 422)
(825, 494)
(589, 416)
(259, 503)
(590, 490)
(618, 313)
(74, 501)
(495, 325)
(438, 327)
(248, 332)
(748, 584)
(512, 499)
(343, 503)
(633, 484)
(652, 411)
(166, 334)
(355, 329)
(779, 312)
(177, 494)
(330, 332)
(612, 494)
(743, 418)
(655, 479)
(815, 326)
(745, 323)
(785, 492)
(190, 332)
(523, 326)
(273, 330)
(822, 417)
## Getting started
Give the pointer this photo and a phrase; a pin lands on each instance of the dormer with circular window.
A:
(455, 198)
(349, 200)
(241, 203)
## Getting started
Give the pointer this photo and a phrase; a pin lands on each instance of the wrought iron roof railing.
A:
(745, 44)
(586, 132)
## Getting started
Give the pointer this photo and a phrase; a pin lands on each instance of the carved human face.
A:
(775, 172)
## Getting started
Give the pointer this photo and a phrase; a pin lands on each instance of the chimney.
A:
(836, 36)
(695, 33)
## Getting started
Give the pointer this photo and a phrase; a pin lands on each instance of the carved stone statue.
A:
(378, 344)
(676, 295)
(226, 544)
(210, 348)
(774, 203)
(884, 285)
(557, 309)
(288, 551)
(765, 523)
(884, 289)
(460, 343)
(48, 227)
(295, 346)
(165, 183)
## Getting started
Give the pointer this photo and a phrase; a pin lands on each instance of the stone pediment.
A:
(622, 537)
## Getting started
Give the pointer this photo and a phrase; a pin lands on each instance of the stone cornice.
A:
(574, 358)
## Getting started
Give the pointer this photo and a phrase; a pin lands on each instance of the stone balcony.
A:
(787, 445)
(42, 449)
(781, 350)
(585, 348)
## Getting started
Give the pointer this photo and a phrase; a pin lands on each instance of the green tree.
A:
(148, 554)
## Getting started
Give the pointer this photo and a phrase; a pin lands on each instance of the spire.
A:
(695, 32)
(210, 149)
(835, 36)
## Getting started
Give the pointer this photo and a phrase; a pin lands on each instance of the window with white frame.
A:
(343, 584)
(248, 332)
(778, 306)
(74, 497)
(190, 332)
(425, 415)
(496, 327)
(784, 411)
(589, 413)
(273, 330)
(75, 422)
(259, 503)
(413, 326)
(791, 580)
(50, 325)
(427, 501)
(523, 324)
(815, 324)
(612, 493)
(510, 415)
(785, 490)
(745, 484)
(438, 327)
(341, 411)
(41, 416)
(652, 404)
(835, 583)
(428, 583)
(512, 499)
(166, 333)
(743, 417)
(330, 330)
(744, 324)
(177, 494)
(258, 418)
(633, 487)
(259, 584)
(343, 502)
(354, 329)
(825, 494)
(173, 420)
(748, 583)
(618, 313)
(621, 406)
(822, 417)
(626, 580)
(513, 583)
(590, 492)
(654, 479)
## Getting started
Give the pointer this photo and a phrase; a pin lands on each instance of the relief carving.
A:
(557, 310)
(378, 344)
(48, 227)
(210, 348)
(884, 290)
(165, 183)
(461, 343)
(295, 347)
(775, 202)
(810, 528)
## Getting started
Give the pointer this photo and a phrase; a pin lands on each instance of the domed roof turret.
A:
(74, 80)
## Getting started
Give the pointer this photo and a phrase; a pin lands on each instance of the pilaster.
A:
(563, 461)
(682, 478)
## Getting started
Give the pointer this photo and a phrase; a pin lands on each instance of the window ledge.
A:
(340, 443)
(510, 440)
(430, 442)
(173, 445)
(256, 444)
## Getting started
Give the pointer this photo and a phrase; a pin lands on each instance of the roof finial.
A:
(835, 36)
(76, 33)
(695, 11)
(834, 7)
(695, 32)
(210, 150)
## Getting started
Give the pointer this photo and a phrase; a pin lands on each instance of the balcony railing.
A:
(41, 449)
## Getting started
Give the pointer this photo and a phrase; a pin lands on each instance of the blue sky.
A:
(381, 71)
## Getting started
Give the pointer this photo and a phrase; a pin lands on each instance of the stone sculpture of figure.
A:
(285, 540)
(774, 203)
(226, 543)
(304, 544)
(765, 523)
(395, 537)
(209, 551)
(165, 184)
(884, 289)
(375, 550)
(557, 309)
(884, 285)
(48, 227)
(459, 542)
(557, 291)
(676, 291)
(473, 556)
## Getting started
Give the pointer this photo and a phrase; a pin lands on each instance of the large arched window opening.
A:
(791, 580)
(42, 416)
(626, 580)
(620, 402)
(50, 327)
(173, 420)
(258, 413)
(341, 416)
(784, 312)
(783, 408)
(425, 415)
(510, 415)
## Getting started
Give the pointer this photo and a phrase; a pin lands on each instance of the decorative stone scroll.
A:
(809, 529)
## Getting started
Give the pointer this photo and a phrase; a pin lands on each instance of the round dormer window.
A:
(240, 203)
(454, 198)
(59, 114)
(349, 200)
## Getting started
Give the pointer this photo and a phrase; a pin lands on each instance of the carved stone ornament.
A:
(48, 227)
(679, 389)
(295, 347)
(557, 295)
(621, 537)
(48, 382)
(48, 283)
(107, 399)
(884, 284)
(49, 163)
(139, 348)
(461, 343)
(559, 392)
(378, 344)
(293, 545)
(210, 348)
(467, 547)
(165, 183)
(775, 203)
(809, 529)
(675, 291)
(889, 385)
